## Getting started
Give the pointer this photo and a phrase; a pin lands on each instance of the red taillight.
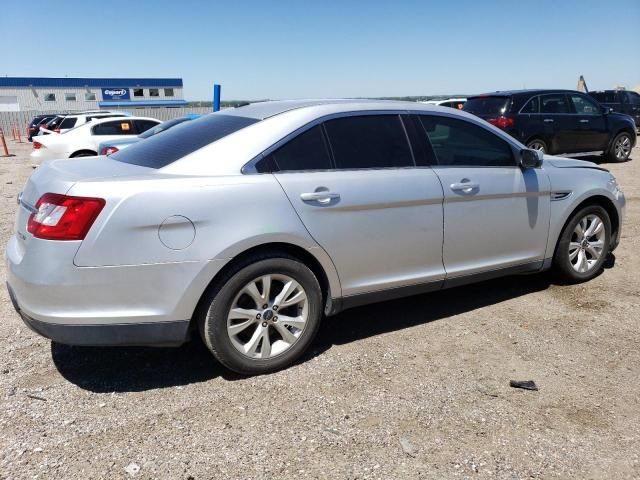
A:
(60, 217)
(37, 145)
(108, 150)
(501, 121)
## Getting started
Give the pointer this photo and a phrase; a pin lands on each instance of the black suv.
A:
(622, 101)
(37, 121)
(557, 121)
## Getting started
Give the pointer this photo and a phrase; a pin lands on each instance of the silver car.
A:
(250, 224)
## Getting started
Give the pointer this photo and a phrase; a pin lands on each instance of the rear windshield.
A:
(160, 150)
(487, 105)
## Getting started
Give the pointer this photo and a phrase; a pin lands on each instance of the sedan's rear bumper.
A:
(114, 334)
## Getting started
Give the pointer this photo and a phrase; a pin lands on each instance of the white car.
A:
(83, 141)
(457, 103)
(76, 119)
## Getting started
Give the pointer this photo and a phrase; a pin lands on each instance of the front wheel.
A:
(263, 316)
(583, 245)
(620, 148)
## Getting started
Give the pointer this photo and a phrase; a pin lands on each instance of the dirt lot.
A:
(414, 388)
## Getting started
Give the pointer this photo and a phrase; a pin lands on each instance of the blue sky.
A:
(293, 49)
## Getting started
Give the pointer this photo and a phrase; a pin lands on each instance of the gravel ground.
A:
(414, 388)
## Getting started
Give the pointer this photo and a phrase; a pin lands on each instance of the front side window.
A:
(307, 151)
(461, 143)
(50, 97)
(70, 97)
(116, 127)
(90, 97)
(144, 125)
(554, 103)
(584, 106)
(168, 92)
(68, 123)
(532, 106)
(154, 92)
(370, 141)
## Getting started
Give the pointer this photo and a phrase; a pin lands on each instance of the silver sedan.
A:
(248, 225)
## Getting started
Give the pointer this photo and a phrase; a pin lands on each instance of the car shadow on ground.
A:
(132, 369)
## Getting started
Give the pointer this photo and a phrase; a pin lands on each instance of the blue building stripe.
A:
(13, 82)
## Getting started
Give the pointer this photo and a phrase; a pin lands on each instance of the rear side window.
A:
(532, 106)
(307, 151)
(181, 140)
(115, 127)
(68, 122)
(461, 143)
(372, 141)
(554, 103)
(497, 105)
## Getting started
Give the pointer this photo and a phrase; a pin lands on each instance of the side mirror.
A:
(607, 110)
(531, 158)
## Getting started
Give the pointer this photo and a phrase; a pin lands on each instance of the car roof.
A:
(509, 93)
(120, 119)
(263, 110)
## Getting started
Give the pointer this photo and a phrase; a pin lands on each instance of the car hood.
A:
(560, 162)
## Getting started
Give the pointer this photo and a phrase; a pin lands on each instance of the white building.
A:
(69, 94)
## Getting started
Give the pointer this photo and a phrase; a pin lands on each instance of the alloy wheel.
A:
(622, 147)
(267, 316)
(537, 145)
(587, 243)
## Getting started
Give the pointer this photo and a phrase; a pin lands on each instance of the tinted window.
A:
(144, 125)
(634, 98)
(373, 141)
(161, 150)
(584, 106)
(554, 103)
(115, 127)
(307, 151)
(497, 105)
(461, 143)
(68, 122)
(532, 106)
(163, 126)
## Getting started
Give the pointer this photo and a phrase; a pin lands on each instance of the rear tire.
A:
(244, 317)
(620, 148)
(538, 144)
(583, 245)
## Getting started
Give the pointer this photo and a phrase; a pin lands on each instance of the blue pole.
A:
(216, 97)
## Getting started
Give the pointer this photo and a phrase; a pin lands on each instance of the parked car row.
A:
(247, 226)
(557, 121)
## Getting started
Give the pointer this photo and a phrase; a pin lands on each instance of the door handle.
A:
(584, 121)
(322, 196)
(548, 120)
(465, 187)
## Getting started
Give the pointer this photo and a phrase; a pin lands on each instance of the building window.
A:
(138, 92)
(154, 92)
(168, 92)
(70, 97)
(50, 97)
(90, 97)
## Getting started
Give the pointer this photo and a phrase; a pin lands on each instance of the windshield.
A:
(487, 105)
(163, 126)
(162, 150)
